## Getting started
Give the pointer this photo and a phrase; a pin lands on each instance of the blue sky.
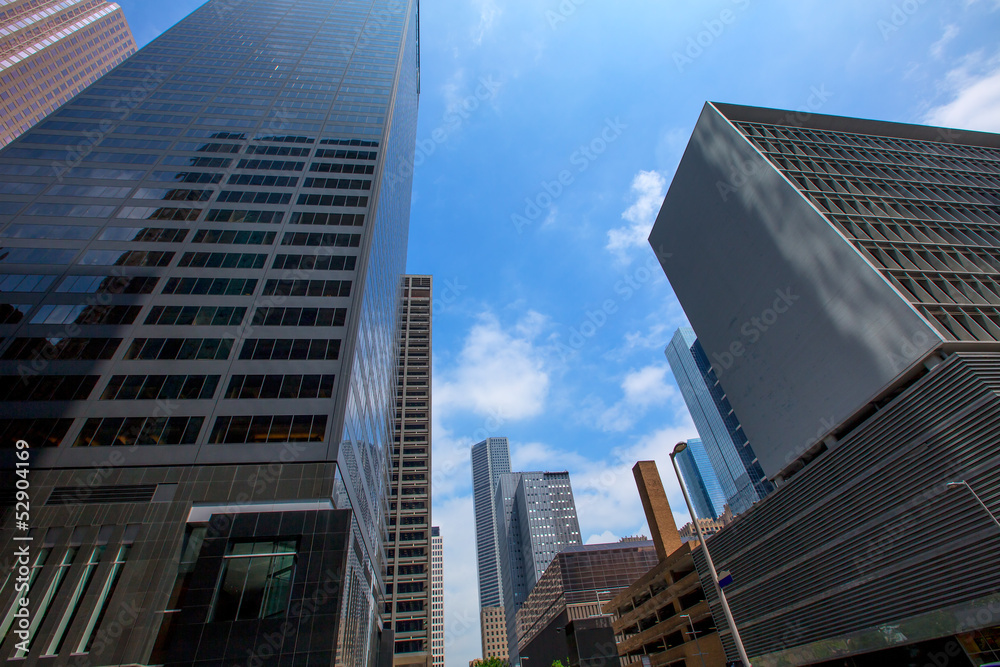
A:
(549, 131)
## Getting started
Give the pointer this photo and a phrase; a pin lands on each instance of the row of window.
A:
(268, 428)
(62, 348)
(330, 219)
(300, 317)
(194, 315)
(126, 432)
(287, 348)
(179, 348)
(280, 386)
(223, 260)
(81, 314)
(307, 288)
(321, 240)
(47, 387)
(312, 262)
(163, 387)
(218, 286)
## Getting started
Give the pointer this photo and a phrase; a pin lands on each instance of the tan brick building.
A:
(493, 625)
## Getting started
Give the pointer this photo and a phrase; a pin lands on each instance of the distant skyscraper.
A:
(409, 578)
(702, 484)
(536, 519)
(437, 597)
(200, 277)
(843, 276)
(52, 49)
(731, 456)
(490, 459)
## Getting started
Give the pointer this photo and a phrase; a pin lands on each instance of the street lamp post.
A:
(975, 495)
(680, 447)
(694, 634)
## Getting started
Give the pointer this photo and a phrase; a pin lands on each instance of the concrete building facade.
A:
(199, 339)
(51, 50)
(409, 550)
(849, 302)
(437, 597)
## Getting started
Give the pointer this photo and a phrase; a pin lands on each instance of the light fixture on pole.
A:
(694, 634)
(975, 495)
(680, 447)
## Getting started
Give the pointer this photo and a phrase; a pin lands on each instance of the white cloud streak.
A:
(648, 188)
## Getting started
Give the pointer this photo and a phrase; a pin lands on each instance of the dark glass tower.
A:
(729, 451)
(701, 480)
(201, 261)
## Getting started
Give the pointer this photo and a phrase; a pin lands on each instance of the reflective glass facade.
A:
(201, 275)
(701, 481)
(536, 519)
(490, 460)
(729, 451)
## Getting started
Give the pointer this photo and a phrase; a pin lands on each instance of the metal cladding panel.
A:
(801, 331)
(870, 536)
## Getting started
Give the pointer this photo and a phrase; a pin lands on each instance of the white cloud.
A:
(641, 389)
(604, 538)
(499, 374)
(605, 493)
(950, 32)
(539, 456)
(974, 90)
(488, 13)
(648, 188)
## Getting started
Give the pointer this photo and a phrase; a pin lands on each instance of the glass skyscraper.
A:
(702, 484)
(200, 274)
(536, 519)
(490, 460)
(731, 456)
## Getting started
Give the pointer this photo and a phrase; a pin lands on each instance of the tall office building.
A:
(849, 298)
(490, 460)
(409, 578)
(52, 49)
(493, 633)
(702, 484)
(201, 273)
(729, 451)
(437, 597)
(536, 519)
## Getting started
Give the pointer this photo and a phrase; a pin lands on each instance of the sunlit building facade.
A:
(52, 49)
(409, 551)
